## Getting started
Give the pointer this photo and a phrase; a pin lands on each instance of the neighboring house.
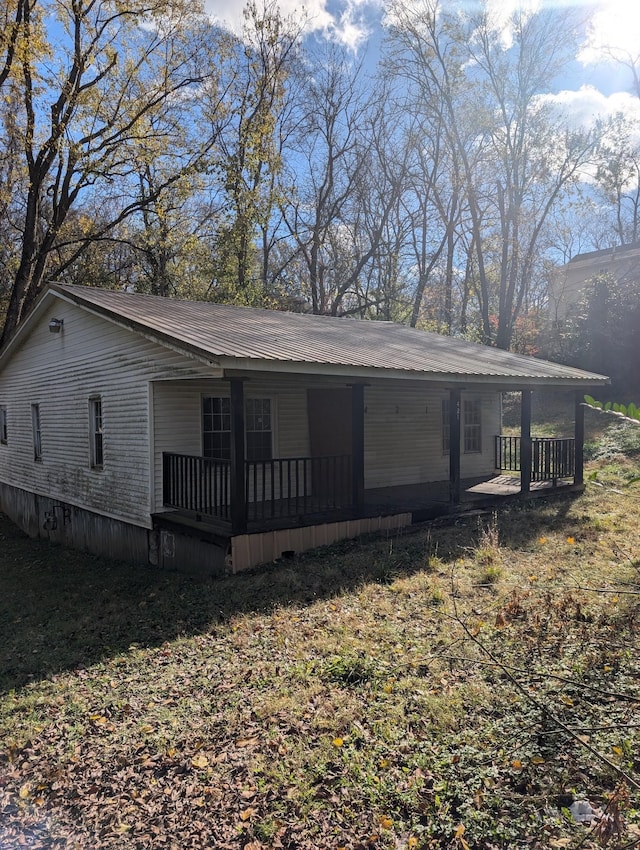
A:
(568, 283)
(209, 437)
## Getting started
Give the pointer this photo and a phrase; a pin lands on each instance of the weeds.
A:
(465, 686)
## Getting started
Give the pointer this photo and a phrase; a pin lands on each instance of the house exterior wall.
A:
(60, 372)
(403, 437)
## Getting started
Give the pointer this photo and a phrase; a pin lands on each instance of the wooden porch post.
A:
(578, 474)
(454, 446)
(525, 442)
(357, 445)
(238, 497)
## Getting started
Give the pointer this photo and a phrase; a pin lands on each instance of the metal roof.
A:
(248, 337)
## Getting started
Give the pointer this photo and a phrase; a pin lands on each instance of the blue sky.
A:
(596, 86)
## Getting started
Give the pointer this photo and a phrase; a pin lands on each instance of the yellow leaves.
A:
(617, 750)
(537, 760)
(571, 540)
(516, 764)
(24, 792)
(542, 540)
(98, 719)
(412, 843)
(122, 828)
(388, 688)
(567, 700)
(386, 822)
(200, 761)
(338, 742)
(247, 814)
(458, 836)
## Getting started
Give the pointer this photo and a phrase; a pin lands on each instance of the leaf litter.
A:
(319, 704)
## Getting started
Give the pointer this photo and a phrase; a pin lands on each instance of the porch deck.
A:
(422, 501)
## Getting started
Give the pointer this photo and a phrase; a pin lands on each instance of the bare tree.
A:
(513, 156)
(250, 160)
(81, 113)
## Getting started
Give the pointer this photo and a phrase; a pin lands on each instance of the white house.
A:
(621, 262)
(208, 437)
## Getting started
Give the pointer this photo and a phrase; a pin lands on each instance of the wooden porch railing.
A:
(280, 488)
(551, 457)
(197, 484)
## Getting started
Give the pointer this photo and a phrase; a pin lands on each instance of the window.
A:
(446, 426)
(258, 427)
(216, 428)
(95, 432)
(472, 430)
(3, 425)
(37, 435)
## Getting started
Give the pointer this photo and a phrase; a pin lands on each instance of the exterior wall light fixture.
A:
(55, 325)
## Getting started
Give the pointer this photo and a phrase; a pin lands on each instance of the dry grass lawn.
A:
(457, 686)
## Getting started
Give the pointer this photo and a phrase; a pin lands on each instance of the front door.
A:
(329, 412)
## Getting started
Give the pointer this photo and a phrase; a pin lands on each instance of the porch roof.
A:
(249, 338)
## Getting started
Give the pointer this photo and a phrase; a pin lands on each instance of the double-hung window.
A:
(96, 456)
(446, 426)
(3, 425)
(258, 429)
(36, 431)
(472, 425)
(216, 428)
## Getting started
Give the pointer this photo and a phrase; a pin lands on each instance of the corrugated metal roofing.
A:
(244, 333)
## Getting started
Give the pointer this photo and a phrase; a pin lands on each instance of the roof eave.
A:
(243, 365)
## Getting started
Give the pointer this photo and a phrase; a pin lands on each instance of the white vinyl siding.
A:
(90, 357)
(404, 437)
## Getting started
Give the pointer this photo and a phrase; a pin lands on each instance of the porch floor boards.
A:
(423, 501)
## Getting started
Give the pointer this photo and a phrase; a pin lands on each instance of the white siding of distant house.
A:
(60, 372)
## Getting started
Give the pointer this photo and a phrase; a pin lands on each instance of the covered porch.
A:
(238, 496)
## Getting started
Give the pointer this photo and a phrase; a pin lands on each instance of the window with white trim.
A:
(216, 428)
(258, 428)
(472, 430)
(96, 456)
(37, 432)
(446, 426)
(3, 425)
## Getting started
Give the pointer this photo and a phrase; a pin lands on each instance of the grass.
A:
(456, 686)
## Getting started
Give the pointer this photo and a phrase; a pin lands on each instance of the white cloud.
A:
(345, 21)
(614, 32)
(582, 108)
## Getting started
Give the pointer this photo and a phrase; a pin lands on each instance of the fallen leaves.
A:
(370, 722)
